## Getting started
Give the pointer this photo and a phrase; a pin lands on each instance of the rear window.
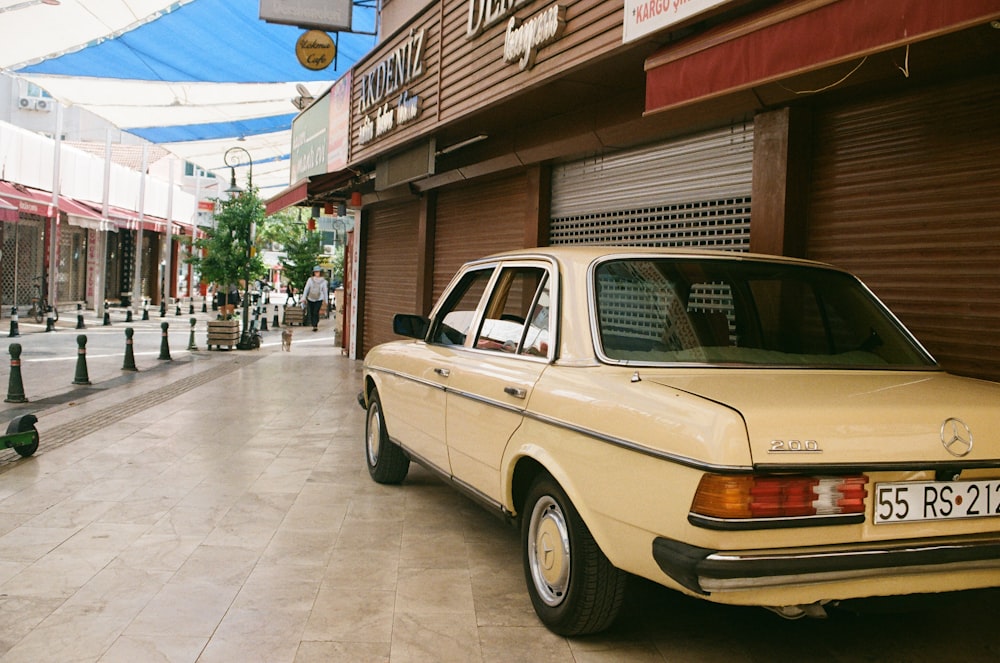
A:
(706, 311)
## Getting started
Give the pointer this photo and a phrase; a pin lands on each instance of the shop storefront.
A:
(737, 126)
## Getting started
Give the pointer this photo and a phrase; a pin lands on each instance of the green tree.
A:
(227, 254)
(302, 252)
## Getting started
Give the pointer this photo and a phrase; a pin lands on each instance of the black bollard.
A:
(128, 315)
(204, 304)
(178, 311)
(15, 388)
(14, 328)
(129, 364)
(164, 343)
(163, 307)
(275, 322)
(145, 309)
(50, 320)
(191, 344)
(107, 314)
(79, 317)
(81, 377)
(191, 307)
(263, 322)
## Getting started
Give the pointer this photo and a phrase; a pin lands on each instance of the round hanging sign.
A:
(315, 50)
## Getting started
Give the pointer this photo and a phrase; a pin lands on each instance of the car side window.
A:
(454, 321)
(515, 320)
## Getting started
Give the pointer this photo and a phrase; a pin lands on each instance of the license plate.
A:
(936, 500)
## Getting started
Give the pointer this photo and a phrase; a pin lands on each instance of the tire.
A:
(26, 450)
(387, 463)
(38, 314)
(573, 587)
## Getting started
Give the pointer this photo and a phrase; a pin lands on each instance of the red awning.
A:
(786, 41)
(8, 211)
(293, 195)
(80, 214)
(28, 200)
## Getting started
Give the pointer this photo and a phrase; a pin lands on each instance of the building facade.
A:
(853, 132)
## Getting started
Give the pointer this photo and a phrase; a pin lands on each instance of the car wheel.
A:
(387, 463)
(574, 588)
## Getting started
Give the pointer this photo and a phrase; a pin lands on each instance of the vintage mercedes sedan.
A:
(745, 429)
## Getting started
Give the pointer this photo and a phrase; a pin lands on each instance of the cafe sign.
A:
(386, 102)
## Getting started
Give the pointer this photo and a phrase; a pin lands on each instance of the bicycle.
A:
(40, 307)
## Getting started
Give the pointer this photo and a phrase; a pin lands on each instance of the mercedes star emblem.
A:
(956, 437)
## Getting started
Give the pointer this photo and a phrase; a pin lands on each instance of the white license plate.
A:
(935, 500)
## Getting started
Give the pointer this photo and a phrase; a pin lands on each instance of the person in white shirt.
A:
(314, 294)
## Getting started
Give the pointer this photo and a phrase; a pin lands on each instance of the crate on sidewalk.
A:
(223, 332)
(293, 315)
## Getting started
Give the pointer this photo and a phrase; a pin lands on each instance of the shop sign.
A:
(521, 39)
(315, 50)
(382, 112)
(521, 43)
(309, 140)
(486, 13)
(644, 17)
(397, 69)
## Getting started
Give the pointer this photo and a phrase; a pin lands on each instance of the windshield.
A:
(723, 311)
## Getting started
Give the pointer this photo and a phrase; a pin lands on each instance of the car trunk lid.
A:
(855, 417)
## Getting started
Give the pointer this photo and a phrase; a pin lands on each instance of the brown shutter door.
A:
(906, 193)
(476, 220)
(390, 271)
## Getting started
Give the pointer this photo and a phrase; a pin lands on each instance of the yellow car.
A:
(745, 429)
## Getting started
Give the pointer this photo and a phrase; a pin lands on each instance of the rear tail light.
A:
(747, 496)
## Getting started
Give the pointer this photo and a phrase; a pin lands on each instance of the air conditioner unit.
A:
(329, 249)
(43, 104)
(27, 103)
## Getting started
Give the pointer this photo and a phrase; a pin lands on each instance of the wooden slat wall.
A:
(390, 271)
(476, 220)
(424, 86)
(906, 190)
(463, 75)
(474, 74)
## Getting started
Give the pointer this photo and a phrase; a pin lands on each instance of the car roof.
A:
(587, 253)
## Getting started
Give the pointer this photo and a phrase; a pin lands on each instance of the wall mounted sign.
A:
(644, 17)
(522, 39)
(388, 77)
(315, 50)
(521, 43)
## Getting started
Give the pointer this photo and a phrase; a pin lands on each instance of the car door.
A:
(490, 385)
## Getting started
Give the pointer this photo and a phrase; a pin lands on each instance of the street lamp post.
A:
(232, 158)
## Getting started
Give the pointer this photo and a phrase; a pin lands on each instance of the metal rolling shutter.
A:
(390, 271)
(692, 192)
(475, 220)
(905, 194)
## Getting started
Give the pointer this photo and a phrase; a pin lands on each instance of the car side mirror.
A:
(410, 325)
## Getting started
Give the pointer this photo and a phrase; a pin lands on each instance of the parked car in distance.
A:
(745, 429)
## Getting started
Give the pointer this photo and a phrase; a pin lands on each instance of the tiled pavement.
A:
(221, 511)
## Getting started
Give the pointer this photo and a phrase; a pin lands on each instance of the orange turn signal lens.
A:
(748, 496)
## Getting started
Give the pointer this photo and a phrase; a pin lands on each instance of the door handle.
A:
(516, 392)
(443, 372)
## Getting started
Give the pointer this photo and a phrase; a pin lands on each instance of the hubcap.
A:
(374, 435)
(548, 551)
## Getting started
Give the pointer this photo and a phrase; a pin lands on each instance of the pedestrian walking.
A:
(314, 294)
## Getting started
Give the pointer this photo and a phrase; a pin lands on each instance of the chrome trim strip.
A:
(602, 437)
(476, 495)
(703, 570)
(851, 468)
(638, 448)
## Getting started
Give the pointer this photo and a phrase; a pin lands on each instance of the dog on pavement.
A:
(286, 339)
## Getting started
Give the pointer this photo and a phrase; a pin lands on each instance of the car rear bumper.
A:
(706, 571)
